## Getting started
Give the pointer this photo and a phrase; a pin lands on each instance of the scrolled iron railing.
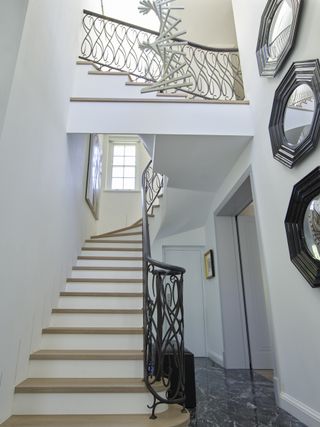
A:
(163, 313)
(215, 74)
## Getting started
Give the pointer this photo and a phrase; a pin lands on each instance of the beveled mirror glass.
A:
(299, 114)
(280, 29)
(277, 32)
(295, 118)
(311, 227)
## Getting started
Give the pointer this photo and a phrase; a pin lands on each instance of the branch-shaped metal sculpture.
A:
(166, 47)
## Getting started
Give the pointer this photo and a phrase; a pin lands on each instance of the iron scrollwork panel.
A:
(164, 336)
(214, 74)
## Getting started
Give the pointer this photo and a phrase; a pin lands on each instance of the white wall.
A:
(11, 25)
(203, 237)
(212, 300)
(293, 306)
(44, 218)
(208, 22)
(119, 209)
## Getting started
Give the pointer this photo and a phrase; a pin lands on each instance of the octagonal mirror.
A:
(303, 227)
(277, 33)
(294, 125)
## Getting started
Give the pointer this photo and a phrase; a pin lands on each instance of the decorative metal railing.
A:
(163, 313)
(215, 74)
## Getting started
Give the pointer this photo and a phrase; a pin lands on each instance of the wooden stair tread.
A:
(102, 294)
(84, 248)
(83, 385)
(108, 73)
(138, 233)
(172, 417)
(87, 355)
(89, 268)
(91, 280)
(119, 230)
(92, 330)
(161, 101)
(113, 241)
(110, 258)
(96, 311)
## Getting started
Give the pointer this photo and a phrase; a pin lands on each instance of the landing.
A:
(234, 398)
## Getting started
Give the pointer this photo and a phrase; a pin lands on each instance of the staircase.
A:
(89, 368)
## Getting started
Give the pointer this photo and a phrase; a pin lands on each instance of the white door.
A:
(191, 259)
(260, 344)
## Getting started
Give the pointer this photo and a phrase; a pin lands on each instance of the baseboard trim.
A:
(295, 407)
(215, 357)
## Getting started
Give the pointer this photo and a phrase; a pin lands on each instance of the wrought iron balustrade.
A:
(278, 45)
(215, 74)
(163, 313)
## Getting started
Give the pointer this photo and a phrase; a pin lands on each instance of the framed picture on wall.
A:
(209, 264)
(94, 173)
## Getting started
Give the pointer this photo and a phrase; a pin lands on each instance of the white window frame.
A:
(121, 140)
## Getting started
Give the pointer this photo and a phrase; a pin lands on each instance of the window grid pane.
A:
(130, 161)
(117, 184)
(129, 172)
(123, 167)
(118, 161)
(130, 150)
(118, 150)
(117, 172)
(129, 183)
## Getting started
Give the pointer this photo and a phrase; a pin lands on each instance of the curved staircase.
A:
(89, 368)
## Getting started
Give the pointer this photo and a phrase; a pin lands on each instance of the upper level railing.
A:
(108, 42)
(276, 47)
(163, 313)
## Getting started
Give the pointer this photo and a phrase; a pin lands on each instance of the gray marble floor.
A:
(235, 398)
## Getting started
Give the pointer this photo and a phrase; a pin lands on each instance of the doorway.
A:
(247, 343)
(190, 257)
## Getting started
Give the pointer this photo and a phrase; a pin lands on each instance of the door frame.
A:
(234, 328)
(200, 249)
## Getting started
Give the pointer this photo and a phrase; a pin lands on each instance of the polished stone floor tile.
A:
(236, 398)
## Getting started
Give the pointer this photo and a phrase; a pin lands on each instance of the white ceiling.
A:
(198, 163)
(196, 203)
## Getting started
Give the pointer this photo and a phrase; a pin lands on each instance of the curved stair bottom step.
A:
(172, 417)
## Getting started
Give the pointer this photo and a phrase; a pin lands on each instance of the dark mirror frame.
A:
(271, 68)
(305, 72)
(303, 193)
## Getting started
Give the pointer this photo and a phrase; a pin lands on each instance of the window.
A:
(123, 174)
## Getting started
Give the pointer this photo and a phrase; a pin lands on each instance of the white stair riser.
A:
(83, 403)
(93, 85)
(96, 320)
(111, 253)
(91, 341)
(96, 274)
(108, 263)
(100, 302)
(104, 287)
(85, 369)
